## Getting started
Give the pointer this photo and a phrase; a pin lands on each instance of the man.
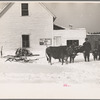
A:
(87, 49)
(99, 48)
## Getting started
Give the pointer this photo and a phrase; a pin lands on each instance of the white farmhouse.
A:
(25, 24)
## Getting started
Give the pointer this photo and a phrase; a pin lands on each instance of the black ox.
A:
(79, 49)
(61, 52)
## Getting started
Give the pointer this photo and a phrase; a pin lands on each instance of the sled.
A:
(20, 59)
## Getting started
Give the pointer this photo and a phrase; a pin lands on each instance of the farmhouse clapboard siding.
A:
(37, 25)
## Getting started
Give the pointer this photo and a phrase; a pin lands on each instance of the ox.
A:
(95, 54)
(79, 49)
(61, 52)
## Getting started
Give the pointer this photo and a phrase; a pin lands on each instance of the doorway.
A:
(70, 42)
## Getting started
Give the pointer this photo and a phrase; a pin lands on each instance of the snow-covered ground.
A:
(40, 71)
(39, 79)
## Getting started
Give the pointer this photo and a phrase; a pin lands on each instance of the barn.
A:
(69, 36)
(25, 24)
(93, 39)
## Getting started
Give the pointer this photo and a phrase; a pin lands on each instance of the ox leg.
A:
(59, 60)
(62, 61)
(96, 58)
(73, 59)
(50, 61)
(70, 59)
(62, 58)
(66, 60)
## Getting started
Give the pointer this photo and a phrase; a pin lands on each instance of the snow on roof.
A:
(56, 27)
(76, 29)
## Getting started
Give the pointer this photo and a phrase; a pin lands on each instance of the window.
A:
(25, 41)
(45, 41)
(24, 9)
(57, 40)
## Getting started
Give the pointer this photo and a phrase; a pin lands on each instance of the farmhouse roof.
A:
(4, 9)
(8, 5)
(54, 17)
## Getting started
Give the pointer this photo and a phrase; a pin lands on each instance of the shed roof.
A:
(56, 27)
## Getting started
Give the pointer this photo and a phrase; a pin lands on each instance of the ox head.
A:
(79, 49)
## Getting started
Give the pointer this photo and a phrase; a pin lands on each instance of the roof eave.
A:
(48, 11)
(5, 9)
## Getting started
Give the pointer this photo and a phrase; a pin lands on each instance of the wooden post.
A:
(1, 51)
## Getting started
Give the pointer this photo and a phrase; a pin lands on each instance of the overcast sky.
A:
(80, 15)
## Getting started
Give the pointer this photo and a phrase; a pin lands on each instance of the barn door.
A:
(70, 42)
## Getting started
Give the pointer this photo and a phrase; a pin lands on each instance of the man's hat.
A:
(86, 38)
